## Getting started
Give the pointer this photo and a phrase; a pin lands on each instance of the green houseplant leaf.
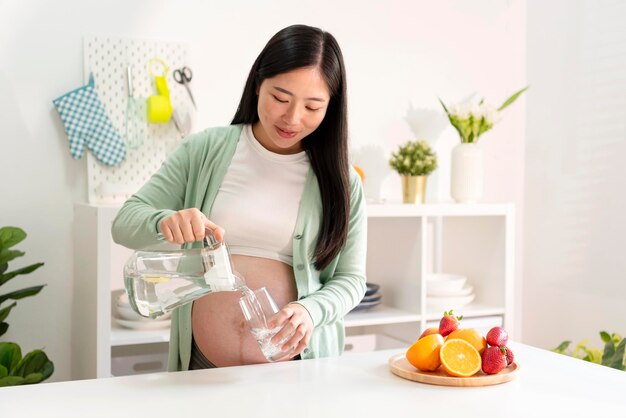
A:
(8, 255)
(5, 277)
(11, 381)
(10, 355)
(605, 337)
(22, 293)
(612, 355)
(4, 312)
(10, 236)
(15, 370)
(562, 348)
(35, 362)
(513, 98)
(35, 366)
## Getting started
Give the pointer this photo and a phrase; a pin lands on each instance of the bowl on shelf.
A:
(464, 291)
(127, 313)
(143, 325)
(442, 282)
(123, 311)
(453, 302)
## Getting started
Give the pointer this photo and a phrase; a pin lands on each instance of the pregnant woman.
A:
(278, 185)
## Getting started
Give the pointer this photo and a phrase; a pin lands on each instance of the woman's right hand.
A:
(188, 225)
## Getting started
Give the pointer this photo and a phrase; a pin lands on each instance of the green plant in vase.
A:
(472, 119)
(35, 366)
(414, 161)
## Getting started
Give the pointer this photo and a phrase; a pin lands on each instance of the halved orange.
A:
(459, 358)
(424, 353)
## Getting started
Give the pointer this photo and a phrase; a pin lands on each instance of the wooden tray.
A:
(400, 366)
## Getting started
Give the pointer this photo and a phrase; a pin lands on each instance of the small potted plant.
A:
(414, 161)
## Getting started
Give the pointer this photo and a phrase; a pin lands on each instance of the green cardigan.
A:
(191, 177)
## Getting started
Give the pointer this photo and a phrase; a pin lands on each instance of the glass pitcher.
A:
(157, 281)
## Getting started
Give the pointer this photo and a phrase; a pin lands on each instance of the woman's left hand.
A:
(297, 323)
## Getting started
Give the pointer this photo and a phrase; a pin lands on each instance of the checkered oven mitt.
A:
(86, 123)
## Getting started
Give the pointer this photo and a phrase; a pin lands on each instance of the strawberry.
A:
(497, 337)
(448, 323)
(509, 356)
(494, 360)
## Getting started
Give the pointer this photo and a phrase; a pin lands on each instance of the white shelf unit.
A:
(405, 242)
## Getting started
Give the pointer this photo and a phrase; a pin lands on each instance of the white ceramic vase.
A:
(467, 176)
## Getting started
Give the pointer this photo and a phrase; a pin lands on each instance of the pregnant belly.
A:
(218, 325)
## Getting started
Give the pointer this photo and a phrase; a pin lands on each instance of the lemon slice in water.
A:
(156, 279)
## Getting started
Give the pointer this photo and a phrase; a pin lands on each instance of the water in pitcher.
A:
(154, 296)
(159, 281)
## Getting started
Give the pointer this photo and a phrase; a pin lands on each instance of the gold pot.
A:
(413, 189)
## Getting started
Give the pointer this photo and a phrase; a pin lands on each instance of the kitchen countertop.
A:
(354, 385)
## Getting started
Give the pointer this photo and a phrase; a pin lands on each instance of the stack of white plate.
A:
(371, 299)
(448, 291)
(124, 315)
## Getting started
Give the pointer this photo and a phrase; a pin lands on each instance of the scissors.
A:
(183, 76)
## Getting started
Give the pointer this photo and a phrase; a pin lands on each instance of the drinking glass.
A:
(258, 307)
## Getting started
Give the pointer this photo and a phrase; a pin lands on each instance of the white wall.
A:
(574, 264)
(400, 55)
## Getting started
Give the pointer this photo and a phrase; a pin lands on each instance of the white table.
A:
(352, 386)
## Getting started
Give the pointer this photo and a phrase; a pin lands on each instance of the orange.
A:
(424, 353)
(360, 172)
(429, 331)
(460, 358)
(472, 336)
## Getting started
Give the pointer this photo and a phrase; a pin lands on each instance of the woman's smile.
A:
(286, 133)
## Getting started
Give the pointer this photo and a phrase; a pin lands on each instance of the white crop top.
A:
(258, 201)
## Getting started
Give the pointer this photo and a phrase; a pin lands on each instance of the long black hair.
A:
(301, 46)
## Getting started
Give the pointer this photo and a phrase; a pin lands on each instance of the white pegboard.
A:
(108, 58)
